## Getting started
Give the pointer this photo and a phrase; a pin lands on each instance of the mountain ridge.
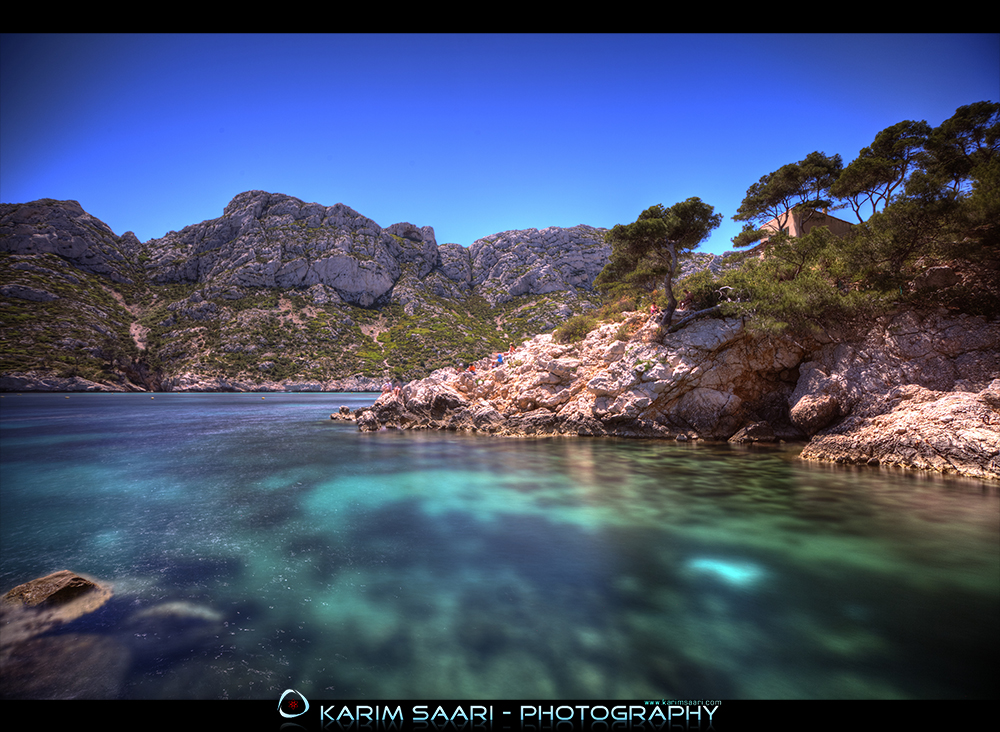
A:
(275, 290)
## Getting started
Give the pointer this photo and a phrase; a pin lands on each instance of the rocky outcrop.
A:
(513, 263)
(916, 391)
(706, 381)
(277, 241)
(41, 382)
(272, 240)
(945, 432)
(65, 229)
(851, 373)
(190, 382)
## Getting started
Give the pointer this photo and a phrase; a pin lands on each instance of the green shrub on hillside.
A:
(575, 328)
(703, 287)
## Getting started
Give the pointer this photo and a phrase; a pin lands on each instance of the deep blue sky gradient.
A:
(470, 134)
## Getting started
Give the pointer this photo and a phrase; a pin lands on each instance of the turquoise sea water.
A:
(255, 545)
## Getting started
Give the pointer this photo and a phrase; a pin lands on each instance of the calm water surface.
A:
(255, 545)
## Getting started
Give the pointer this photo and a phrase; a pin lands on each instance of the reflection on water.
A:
(739, 574)
(258, 546)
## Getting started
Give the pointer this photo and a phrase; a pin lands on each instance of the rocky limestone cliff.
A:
(63, 228)
(277, 241)
(530, 261)
(716, 380)
(272, 240)
(273, 294)
(945, 432)
(917, 390)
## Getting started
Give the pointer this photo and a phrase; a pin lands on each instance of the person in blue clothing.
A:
(499, 359)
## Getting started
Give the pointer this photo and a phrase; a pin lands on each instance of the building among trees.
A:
(796, 224)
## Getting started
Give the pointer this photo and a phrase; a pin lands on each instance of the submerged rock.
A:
(175, 628)
(38, 664)
(66, 666)
(42, 604)
(70, 666)
(179, 610)
(756, 432)
(69, 594)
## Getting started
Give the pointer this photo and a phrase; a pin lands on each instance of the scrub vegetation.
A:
(77, 325)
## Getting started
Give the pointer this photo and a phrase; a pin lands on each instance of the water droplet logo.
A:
(295, 706)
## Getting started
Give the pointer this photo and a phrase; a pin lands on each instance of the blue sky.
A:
(470, 134)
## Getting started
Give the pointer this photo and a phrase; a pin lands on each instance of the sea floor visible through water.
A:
(256, 545)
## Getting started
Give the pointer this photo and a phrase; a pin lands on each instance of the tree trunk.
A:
(668, 286)
(668, 313)
(694, 316)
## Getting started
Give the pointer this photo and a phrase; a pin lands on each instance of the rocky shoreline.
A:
(184, 383)
(915, 390)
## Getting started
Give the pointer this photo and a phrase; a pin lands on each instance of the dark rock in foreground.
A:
(43, 657)
(73, 594)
